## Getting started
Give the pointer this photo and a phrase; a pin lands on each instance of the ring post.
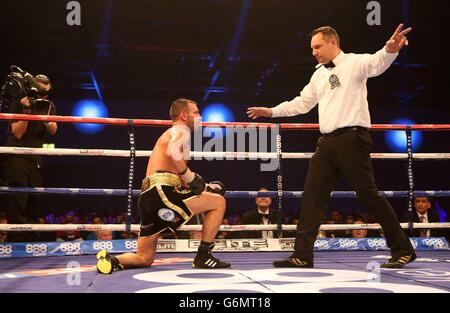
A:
(279, 183)
(128, 218)
(410, 178)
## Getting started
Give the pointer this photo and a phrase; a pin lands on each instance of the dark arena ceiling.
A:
(216, 50)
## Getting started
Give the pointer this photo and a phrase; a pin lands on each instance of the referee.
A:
(339, 86)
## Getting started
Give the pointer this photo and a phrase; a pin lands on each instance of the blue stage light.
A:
(90, 108)
(396, 140)
(217, 112)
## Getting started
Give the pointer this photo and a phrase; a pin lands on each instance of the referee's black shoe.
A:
(293, 261)
(399, 261)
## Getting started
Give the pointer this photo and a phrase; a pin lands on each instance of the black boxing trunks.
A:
(162, 204)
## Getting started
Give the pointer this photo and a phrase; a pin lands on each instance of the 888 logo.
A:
(348, 244)
(5, 250)
(40, 248)
(102, 245)
(132, 245)
(70, 247)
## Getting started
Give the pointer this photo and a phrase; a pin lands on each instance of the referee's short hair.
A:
(328, 32)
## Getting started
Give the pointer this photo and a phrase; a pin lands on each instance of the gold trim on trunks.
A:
(160, 179)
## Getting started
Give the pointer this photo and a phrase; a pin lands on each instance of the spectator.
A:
(423, 213)
(104, 235)
(69, 235)
(262, 214)
(359, 233)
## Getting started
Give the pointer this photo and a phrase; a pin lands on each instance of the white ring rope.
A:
(226, 228)
(200, 154)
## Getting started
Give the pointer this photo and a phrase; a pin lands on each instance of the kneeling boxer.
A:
(171, 195)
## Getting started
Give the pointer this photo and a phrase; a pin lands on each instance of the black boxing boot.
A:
(205, 259)
(107, 263)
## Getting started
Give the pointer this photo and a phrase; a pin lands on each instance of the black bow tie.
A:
(264, 215)
(329, 65)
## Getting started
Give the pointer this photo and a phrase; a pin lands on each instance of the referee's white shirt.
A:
(346, 104)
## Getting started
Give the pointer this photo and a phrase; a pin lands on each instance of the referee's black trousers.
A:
(346, 153)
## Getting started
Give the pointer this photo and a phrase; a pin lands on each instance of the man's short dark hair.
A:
(328, 32)
(263, 189)
(179, 106)
(428, 198)
(42, 78)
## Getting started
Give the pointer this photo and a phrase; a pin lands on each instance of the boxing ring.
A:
(336, 272)
(341, 264)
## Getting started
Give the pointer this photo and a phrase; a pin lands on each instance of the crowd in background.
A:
(263, 214)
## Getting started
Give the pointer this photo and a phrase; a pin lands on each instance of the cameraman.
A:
(26, 170)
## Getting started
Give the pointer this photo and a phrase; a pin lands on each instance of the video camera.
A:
(20, 84)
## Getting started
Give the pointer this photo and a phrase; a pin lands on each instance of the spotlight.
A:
(90, 108)
(396, 139)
